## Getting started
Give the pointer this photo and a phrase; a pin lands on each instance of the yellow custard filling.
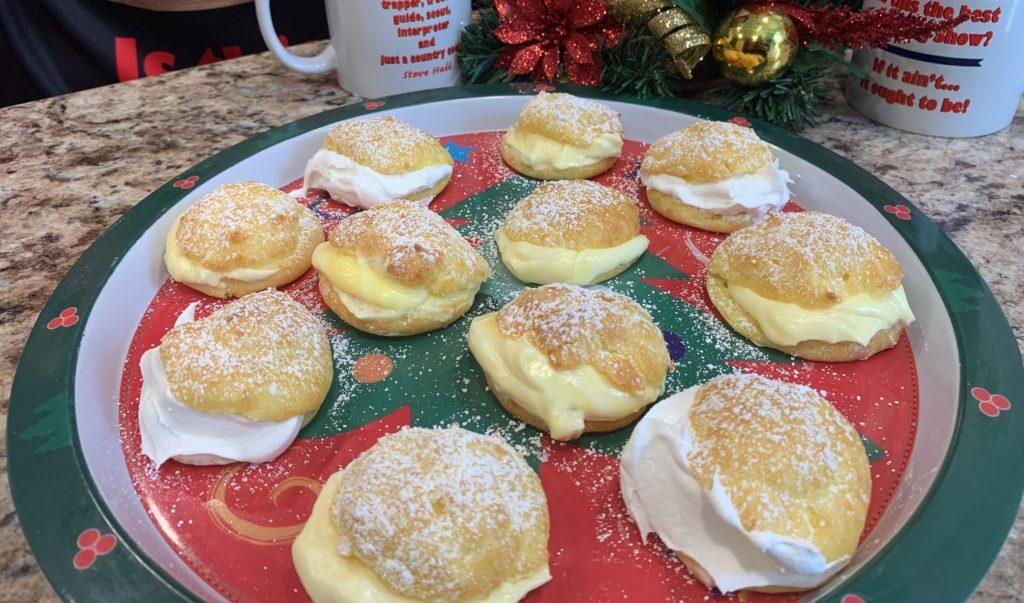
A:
(563, 399)
(330, 578)
(532, 263)
(540, 151)
(355, 277)
(186, 271)
(857, 318)
(369, 294)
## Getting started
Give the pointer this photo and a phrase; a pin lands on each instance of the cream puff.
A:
(811, 285)
(240, 238)
(398, 269)
(569, 360)
(366, 162)
(427, 515)
(755, 484)
(571, 231)
(562, 137)
(236, 385)
(714, 175)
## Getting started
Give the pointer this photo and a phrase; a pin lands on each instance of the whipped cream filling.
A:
(542, 152)
(185, 270)
(360, 186)
(564, 399)
(663, 497)
(330, 577)
(857, 318)
(532, 263)
(171, 429)
(756, 194)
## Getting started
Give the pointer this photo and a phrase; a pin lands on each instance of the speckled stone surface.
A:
(70, 166)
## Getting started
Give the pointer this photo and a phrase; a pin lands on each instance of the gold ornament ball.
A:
(754, 44)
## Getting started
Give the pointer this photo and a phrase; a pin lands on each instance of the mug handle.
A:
(321, 63)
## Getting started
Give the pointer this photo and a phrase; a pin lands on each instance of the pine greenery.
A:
(793, 99)
(640, 66)
(478, 51)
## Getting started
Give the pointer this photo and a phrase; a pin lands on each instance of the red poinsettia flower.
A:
(543, 34)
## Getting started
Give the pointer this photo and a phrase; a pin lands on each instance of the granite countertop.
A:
(70, 166)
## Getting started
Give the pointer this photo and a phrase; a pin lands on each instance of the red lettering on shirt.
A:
(126, 59)
(157, 62)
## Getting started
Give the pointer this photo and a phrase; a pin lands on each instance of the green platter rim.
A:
(941, 554)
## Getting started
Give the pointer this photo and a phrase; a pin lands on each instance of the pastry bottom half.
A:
(574, 173)
(517, 411)
(234, 288)
(705, 219)
(820, 351)
(409, 324)
(289, 269)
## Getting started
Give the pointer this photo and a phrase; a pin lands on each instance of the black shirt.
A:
(51, 47)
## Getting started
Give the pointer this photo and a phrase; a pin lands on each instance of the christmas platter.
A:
(938, 413)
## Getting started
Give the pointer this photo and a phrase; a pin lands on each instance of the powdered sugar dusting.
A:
(707, 151)
(567, 213)
(411, 241)
(227, 217)
(778, 448)
(812, 256)
(574, 326)
(569, 119)
(437, 512)
(263, 345)
(386, 144)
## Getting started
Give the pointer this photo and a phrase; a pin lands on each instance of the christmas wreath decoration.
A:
(765, 58)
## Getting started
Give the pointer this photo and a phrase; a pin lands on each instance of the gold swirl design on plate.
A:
(229, 522)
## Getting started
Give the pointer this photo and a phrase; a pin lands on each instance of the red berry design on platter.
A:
(84, 559)
(739, 121)
(851, 598)
(543, 88)
(88, 538)
(186, 183)
(988, 403)
(67, 318)
(371, 105)
(474, 241)
(105, 544)
(900, 211)
(90, 546)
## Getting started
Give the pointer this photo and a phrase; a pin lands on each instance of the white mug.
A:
(960, 83)
(382, 47)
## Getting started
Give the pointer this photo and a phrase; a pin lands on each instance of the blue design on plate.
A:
(460, 154)
(676, 346)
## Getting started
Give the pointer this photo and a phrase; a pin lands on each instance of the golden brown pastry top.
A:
(574, 326)
(809, 258)
(707, 151)
(264, 357)
(443, 514)
(242, 225)
(573, 214)
(568, 119)
(791, 464)
(386, 145)
(413, 245)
